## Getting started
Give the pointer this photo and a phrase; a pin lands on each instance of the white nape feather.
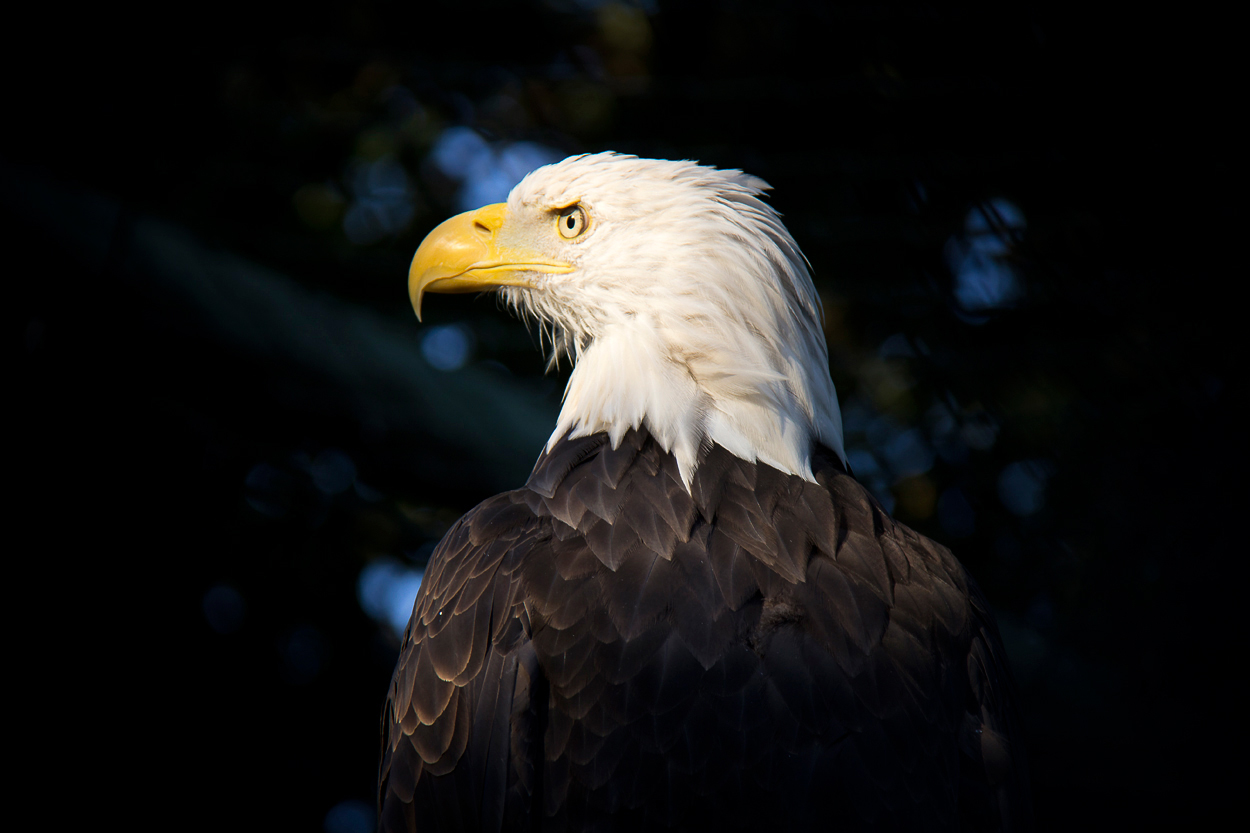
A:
(690, 310)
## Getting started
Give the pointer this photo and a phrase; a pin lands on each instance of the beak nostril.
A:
(481, 228)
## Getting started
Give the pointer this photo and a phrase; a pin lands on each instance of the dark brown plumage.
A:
(603, 650)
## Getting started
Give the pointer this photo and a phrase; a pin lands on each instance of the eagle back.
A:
(605, 649)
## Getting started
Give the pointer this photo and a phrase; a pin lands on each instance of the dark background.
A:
(227, 415)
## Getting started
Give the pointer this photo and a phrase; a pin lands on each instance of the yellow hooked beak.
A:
(464, 254)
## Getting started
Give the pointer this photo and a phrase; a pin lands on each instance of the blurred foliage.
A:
(1020, 305)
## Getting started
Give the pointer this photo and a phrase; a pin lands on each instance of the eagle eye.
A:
(571, 221)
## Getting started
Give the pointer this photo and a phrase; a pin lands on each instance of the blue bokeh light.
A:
(984, 280)
(862, 463)
(1022, 486)
(486, 172)
(448, 347)
(351, 816)
(387, 589)
(332, 471)
(908, 454)
(383, 203)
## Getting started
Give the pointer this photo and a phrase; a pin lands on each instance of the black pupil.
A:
(572, 222)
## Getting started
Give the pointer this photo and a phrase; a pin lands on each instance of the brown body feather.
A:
(604, 650)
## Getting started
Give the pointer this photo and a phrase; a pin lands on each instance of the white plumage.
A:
(690, 311)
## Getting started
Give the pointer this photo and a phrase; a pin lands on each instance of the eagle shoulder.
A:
(462, 682)
(608, 649)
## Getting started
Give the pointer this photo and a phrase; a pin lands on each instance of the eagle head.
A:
(683, 302)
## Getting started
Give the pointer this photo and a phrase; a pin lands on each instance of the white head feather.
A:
(690, 311)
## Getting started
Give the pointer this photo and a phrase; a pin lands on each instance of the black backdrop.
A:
(225, 410)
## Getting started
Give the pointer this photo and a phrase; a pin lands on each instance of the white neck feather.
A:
(692, 395)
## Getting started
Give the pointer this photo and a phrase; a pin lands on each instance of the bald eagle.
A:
(691, 616)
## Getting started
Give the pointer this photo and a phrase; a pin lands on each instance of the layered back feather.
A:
(606, 650)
